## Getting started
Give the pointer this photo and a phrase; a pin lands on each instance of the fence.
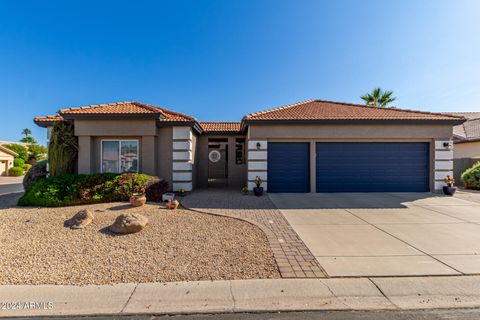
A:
(460, 165)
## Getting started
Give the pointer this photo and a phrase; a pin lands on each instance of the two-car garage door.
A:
(350, 167)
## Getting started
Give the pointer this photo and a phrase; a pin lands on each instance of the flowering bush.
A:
(71, 189)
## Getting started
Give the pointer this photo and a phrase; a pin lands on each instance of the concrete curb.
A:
(244, 296)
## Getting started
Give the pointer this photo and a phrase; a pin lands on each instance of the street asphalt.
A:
(10, 188)
(451, 314)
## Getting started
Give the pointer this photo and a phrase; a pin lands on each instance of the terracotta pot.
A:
(138, 200)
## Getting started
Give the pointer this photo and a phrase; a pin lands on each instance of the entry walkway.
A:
(293, 258)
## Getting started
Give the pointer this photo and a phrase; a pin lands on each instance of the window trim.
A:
(119, 153)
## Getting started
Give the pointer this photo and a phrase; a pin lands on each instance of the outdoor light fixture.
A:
(447, 144)
(258, 145)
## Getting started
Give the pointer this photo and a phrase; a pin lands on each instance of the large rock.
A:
(129, 223)
(80, 220)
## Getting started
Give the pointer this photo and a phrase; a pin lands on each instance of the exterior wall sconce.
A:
(448, 145)
(258, 145)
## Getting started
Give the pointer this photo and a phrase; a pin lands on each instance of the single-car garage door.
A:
(372, 167)
(288, 167)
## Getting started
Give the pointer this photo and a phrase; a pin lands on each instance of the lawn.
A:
(180, 245)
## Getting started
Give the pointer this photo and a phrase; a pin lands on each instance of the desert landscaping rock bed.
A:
(181, 245)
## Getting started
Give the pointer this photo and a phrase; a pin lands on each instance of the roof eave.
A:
(193, 124)
(452, 122)
(114, 116)
(10, 152)
(458, 141)
(223, 133)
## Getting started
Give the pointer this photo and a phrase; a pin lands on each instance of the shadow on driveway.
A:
(346, 200)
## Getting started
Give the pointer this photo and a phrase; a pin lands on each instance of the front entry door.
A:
(217, 162)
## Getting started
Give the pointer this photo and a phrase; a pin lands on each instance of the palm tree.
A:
(378, 98)
(26, 132)
(28, 139)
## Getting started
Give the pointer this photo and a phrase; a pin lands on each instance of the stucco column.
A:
(443, 162)
(313, 167)
(84, 155)
(148, 155)
(182, 155)
(257, 162)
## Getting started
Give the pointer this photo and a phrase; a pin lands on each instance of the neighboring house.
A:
(13, 142)
(312, 146)
(6, 160)
(466, 139)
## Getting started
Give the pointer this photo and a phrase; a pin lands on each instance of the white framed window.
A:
(119, 156)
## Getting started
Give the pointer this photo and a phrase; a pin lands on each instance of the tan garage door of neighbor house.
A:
(3, 167)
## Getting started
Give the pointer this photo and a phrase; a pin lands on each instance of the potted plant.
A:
(449, 189)
(181, 192)
(173, 204)
(138, 197)
(245, 190)
(258, 191)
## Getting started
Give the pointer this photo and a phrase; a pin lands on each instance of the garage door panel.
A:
(372, 167)
(288, 167)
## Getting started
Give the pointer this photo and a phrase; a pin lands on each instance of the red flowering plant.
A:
(138, 191)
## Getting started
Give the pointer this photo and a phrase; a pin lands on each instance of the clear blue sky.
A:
(219, 60)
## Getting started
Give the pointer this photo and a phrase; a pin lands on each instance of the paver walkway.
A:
(293, 258)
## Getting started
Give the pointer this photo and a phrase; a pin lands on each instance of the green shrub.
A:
(18, 162)
(18, 149)
(26, 167)
(71, 189)
(37, 172)
(15, 171)
(471, 177)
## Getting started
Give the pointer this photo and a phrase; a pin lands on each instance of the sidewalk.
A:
(247, 296)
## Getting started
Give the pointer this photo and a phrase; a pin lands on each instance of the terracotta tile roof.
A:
(48, 119)
(327, 110)
(221, 127)
(467, 115)
(127, 108)
(470, 129)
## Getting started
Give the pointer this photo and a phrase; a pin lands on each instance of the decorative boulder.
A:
(129, 223)
(80, 220)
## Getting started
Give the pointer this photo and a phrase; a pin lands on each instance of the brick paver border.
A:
(293, 258)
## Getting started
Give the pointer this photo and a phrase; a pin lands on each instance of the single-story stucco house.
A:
(6, 160)
(311, 146)
(466, 139)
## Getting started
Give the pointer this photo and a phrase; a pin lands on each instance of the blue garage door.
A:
(288, 167)
(372, 167)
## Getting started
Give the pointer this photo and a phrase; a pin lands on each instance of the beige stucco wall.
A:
(155, 144)
(6, 162)
(164, 154)
(466, 150)
(433, 134)
(237, 173)
(115, 127)
(351, 131)
(195, 157)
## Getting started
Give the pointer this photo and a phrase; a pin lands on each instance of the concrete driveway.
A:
(387, 234)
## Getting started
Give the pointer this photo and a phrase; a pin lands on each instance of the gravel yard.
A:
(181, 245)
